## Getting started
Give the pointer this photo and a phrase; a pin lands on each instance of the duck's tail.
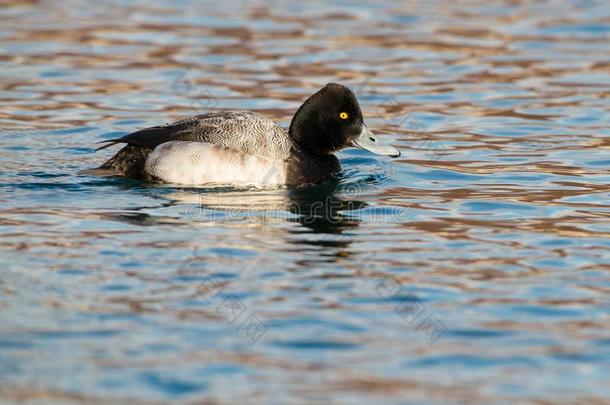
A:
(128, 162)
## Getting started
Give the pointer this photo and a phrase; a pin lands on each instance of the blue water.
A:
(473, 269)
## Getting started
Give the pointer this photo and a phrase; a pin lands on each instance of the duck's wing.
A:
(243, 131)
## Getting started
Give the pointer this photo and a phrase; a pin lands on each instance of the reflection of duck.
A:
(241, 147)
(318, 208)
(322, 210)
(321, 215)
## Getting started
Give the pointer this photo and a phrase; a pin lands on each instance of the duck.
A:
(248, 148)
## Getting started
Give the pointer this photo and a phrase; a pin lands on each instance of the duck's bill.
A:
(368, 141)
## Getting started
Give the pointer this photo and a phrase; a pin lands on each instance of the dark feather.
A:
(152, 137)
(108, 142)
(149, 137)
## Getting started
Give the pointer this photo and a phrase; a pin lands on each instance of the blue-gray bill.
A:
(368, 141)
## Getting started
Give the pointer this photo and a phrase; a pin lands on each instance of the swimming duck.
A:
(244, 147)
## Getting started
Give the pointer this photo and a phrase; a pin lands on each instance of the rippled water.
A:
(473, 269)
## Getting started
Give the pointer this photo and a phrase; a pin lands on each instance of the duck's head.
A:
(331, 120)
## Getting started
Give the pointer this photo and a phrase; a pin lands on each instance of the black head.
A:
(331, 120)
(327, 121)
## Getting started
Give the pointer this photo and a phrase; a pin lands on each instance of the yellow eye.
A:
(344, 115)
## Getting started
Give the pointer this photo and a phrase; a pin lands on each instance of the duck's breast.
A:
(195, 163)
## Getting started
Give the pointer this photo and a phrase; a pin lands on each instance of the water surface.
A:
(473, 269)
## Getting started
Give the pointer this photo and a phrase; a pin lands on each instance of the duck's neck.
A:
(306, 168)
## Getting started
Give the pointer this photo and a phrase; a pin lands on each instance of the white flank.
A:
(196, 163)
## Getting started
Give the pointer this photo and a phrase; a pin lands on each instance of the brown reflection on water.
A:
(501, 117)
